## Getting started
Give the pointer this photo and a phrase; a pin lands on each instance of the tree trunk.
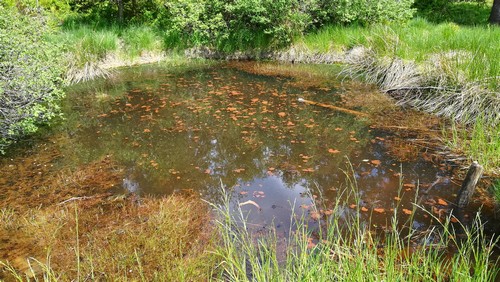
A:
(120, 11)
(495, 13)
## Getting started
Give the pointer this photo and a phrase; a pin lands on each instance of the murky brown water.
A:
(220, 126)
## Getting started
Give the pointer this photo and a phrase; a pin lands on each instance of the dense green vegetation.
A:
(227, 25)
(473, 12)
(30, 76)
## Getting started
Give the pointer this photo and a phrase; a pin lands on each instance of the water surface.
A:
(217, 128)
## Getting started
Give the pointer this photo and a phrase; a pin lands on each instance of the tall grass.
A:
(472, 49)
(495, 189)
(139, 39)
(454, 70)
(345, 249)
(89, 50)
(88, 45)
(479, 142)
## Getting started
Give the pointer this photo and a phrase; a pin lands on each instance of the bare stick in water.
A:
(250, 202)
(339, 109)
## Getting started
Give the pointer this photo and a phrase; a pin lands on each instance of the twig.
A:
(347, 111)
(414, 88)
(250, 202)
(75, 199)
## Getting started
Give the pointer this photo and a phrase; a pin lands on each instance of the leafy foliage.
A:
(469, 12)
(30, 83)
(239, 24)
(364, 12)
(55, 11)
(256, 23)
(103, 12)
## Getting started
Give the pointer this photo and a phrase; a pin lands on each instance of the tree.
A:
(120, 11)
(495, 13)
(30, 77)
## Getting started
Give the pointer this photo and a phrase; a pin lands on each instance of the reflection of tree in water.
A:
(197, 130)
(211, 127)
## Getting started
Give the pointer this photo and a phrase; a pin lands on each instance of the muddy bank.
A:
(295, 54)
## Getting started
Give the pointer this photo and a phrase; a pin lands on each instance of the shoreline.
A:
(401, 80)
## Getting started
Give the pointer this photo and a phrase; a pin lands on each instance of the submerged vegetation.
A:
(81, 231)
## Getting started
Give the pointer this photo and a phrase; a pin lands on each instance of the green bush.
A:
(243, 24)
(30, 77)
(467, 12)
(237, 24)
(365, 12)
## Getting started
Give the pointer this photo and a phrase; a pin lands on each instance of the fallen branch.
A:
(404, 128)
(415, 88)
(75, 199)
(339, 109)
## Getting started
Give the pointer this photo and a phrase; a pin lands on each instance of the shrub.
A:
(30, 77)
(363, 12)
(242, 24)
(464, 12)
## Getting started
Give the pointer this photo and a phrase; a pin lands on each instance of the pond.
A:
(222, 127)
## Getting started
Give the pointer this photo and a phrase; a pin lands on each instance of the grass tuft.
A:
(444, 68)
(138, 40)
(343, 248)
(90, 53)
(115, 238)
(480, 142)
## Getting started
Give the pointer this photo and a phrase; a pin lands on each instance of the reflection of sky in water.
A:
(130, 185)
(271, 194)
(199, 129)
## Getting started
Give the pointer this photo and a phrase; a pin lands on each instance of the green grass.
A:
(470, 53)
(495, 189)
(345, 249)
(479, 142)
(88, 48)
(139, 39)
(88, 45)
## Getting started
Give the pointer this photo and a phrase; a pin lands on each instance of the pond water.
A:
(220, 127)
